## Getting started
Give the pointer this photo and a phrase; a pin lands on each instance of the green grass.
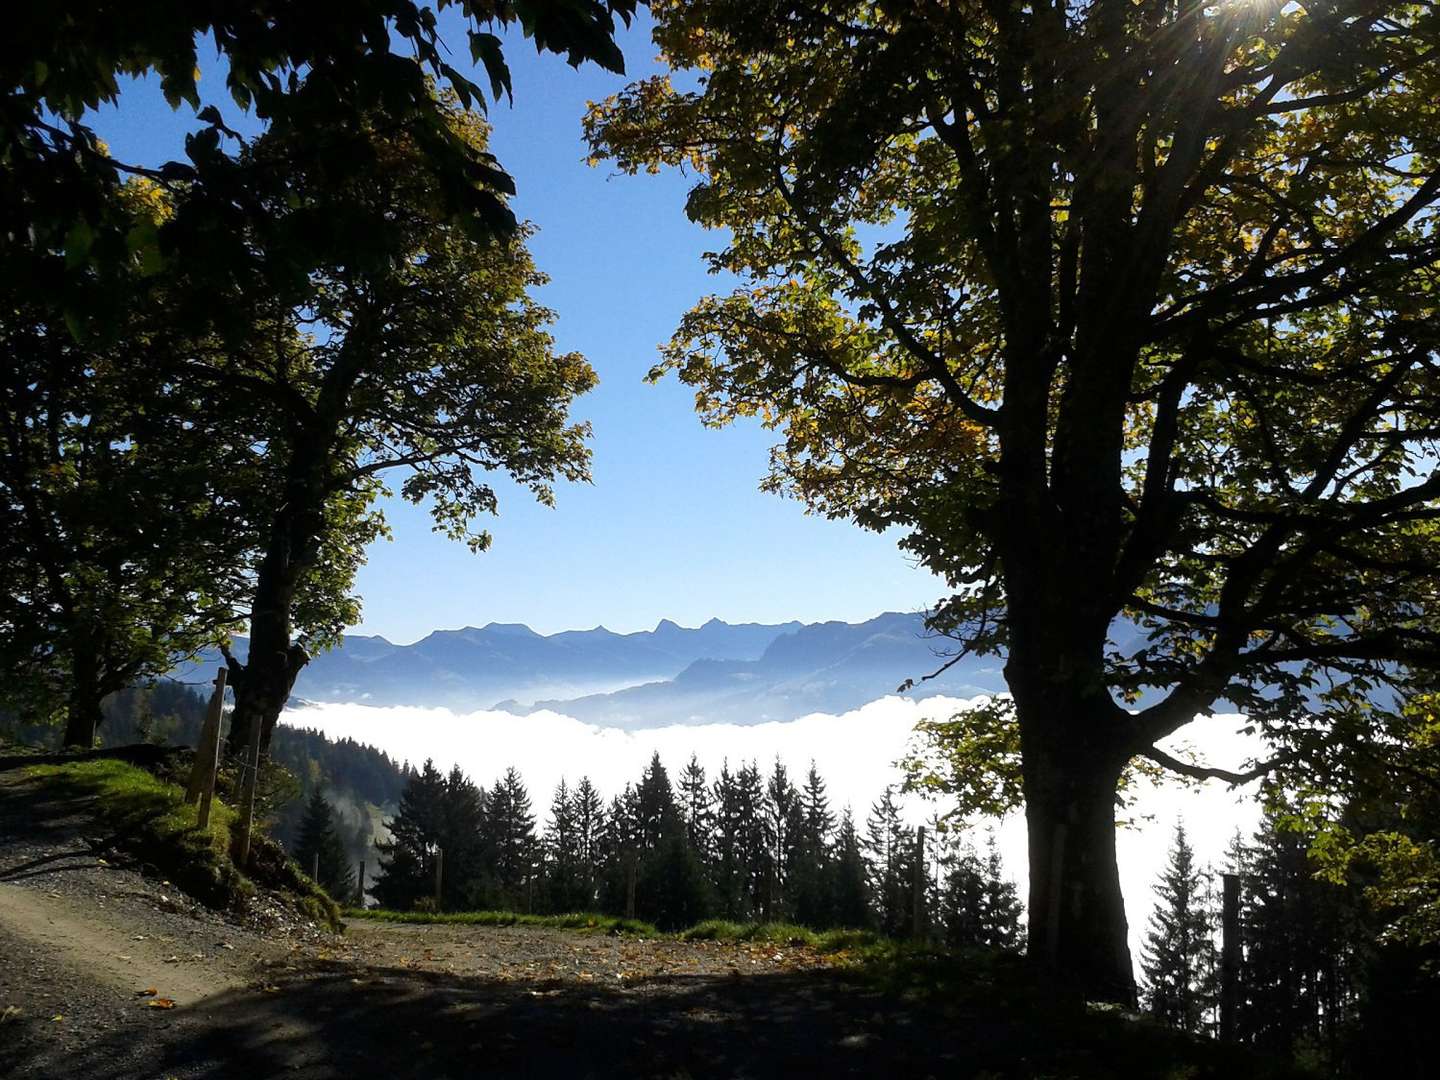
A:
(571, 921)
(862, 943)
(825, 941)
(152, 819)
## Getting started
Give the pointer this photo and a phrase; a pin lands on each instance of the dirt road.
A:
(90, 946)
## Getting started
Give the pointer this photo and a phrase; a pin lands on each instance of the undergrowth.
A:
(611, 924)
(152, 820)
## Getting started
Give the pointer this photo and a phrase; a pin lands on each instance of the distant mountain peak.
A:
(507, 628)
(666, 624)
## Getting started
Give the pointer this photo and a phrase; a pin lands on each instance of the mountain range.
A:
(715, 673)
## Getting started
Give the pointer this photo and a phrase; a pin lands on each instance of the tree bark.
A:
(83, 715)
(262, 684)
(1077, 926)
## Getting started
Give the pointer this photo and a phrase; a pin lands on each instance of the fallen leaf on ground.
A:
(9, 1013)
(160, 1003)
(57, 1017)
(149, 991)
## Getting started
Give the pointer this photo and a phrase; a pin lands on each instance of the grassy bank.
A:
(827, 941)
(606, 924)
(151, 819)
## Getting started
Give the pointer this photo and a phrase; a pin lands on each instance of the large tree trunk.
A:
(1077, 926)
(263, 683)
(83, 715)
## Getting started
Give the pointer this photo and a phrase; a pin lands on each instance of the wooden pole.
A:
(315, 867)
(630, 876)
(207, 754)
(439, 874)
(360, 886)
(1229, 956)
(918, 884)
(247, 796)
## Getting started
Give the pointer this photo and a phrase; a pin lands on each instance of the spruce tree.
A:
(755, 843)
(407, 869)
(783, 825)
(511, 834)
(726, 861)
(466, 867)
(889, 850)
(320, 843)
(654, 803)
(849, 891)
(589, 813)
(1299, 947)
(808, 885)
(697, 807)
(563, 866)
(1177, 956)
(1004, 913)
(620, 868)
(962, 915)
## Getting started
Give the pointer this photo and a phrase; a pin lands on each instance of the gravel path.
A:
(89, 939)
(87, 942)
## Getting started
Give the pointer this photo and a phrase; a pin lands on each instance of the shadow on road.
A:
(399, 1023)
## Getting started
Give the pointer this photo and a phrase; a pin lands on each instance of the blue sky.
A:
(673, 525)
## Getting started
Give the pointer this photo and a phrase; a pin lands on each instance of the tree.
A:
(56, 191)
(421, 352)
(783, 823)
(696, 806)
(809, 885)
(1178, 955)
(125, 506)
(255, 234)
(407, 860)
(754, 842)
(589, 813)
(850, 889)
(889, 853)
(564, 875)
(727, 868)
(320, 846)
(465, 868)
(1153, 279)
(511, 834)
(1299, 942)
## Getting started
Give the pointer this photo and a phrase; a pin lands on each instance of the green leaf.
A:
(78, 242)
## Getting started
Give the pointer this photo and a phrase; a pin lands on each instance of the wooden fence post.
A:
(918, 885)
(360, 887)
(630, 882)
(315, 867)
(207, 754)
(439, 871)
(1229, 956)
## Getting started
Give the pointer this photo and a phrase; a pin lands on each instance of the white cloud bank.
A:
(855, 753)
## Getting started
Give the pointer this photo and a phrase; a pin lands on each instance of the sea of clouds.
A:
(855, 753)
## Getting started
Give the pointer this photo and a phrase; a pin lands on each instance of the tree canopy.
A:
(1125, 311)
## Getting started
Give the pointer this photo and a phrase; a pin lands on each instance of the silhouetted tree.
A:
(1178, 953)
(320, 841)
(510, 829)
(407, 860)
